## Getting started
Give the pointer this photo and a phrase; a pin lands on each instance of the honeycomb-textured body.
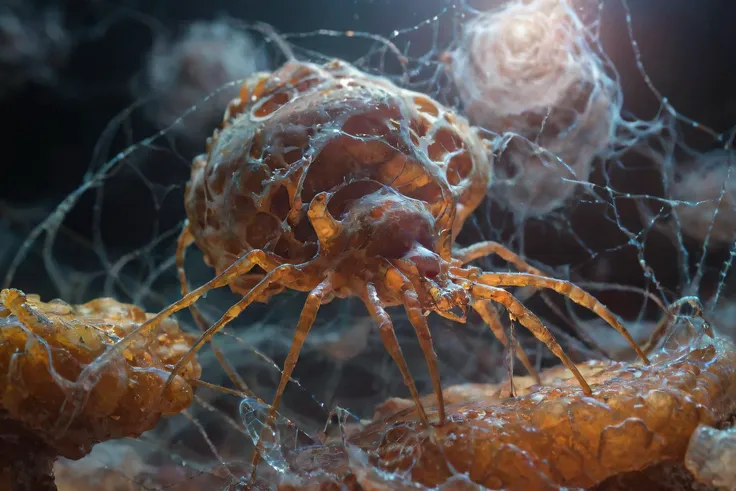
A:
(307, 129)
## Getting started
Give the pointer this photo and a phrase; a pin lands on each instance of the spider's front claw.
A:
(462, 316)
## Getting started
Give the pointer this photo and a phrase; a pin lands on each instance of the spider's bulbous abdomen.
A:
(309, 129)
(388, 224)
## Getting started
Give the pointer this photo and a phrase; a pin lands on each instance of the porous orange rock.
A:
(549, 437)
(44, 413)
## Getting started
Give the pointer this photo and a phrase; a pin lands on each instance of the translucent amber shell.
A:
(306, 129)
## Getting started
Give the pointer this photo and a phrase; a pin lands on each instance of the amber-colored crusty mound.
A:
(43, 349)
(549, 437)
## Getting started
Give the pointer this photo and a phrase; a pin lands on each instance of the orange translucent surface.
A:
(548, 437)
(45, 346)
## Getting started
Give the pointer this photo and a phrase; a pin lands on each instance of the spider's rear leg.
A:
(489, 314)
(527, 319)
(186, 239)
(315, 299)
(240, 267)
(388, 335)
(487, 248)
(486, 310)
(574, 293)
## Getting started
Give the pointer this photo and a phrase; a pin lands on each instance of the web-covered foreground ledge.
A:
(45, 413)
(639, 421)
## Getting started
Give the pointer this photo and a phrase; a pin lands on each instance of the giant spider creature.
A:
(326, 180)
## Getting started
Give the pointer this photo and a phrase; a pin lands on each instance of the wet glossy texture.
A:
(550, 437)
(43, 349)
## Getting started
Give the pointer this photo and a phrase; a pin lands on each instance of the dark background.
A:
(48, 135)
(50, 130)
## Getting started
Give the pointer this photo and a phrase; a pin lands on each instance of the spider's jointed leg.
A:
(240, 267)
(388, 336)
(186, 239)
(527, 319)
(282, 273)
(315, 299)
(481, 249)
(490, 316)
(419, 322)
(574, 293)
(318, 296)
(469, 254)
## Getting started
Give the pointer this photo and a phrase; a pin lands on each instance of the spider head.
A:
(451, 301)
(437, 292)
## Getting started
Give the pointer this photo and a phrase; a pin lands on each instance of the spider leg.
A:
(186, 239)
(482, 249)
(527, 319)
(574, 293)
(388, 335)
(419, 322)
(281, 273)
(309, 313)
(240, 267)
(489, 314)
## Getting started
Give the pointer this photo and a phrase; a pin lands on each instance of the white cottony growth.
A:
(181, 73)
(516, 59)
(528, 68)
(709, 183)
(33, 46)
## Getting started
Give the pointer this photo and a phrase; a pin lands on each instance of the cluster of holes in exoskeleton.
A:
(368, 148)
(444, 142)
